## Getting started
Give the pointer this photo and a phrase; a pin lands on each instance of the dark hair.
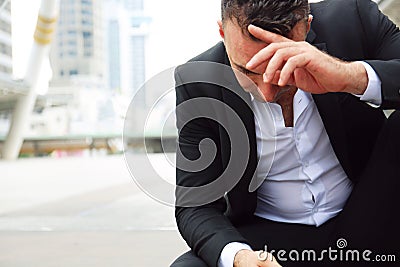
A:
(278, 16)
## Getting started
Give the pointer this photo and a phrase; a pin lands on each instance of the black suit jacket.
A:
(348, 29)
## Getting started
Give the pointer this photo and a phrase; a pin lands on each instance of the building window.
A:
(5, 26)
(88, 53)
(87, 22)
(5, 49)
(87, 35)
(86, 12)
(73, 72)
(86, 2)
(72, 43)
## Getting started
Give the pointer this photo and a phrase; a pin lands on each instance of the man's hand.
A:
(304, 66)
(248, 258)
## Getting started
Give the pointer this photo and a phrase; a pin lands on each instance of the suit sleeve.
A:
(205, 228)
(383, 39)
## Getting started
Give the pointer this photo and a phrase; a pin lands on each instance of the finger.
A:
(277, 77)
(267, 261)
(267, 52)
(278, 60)
(274, 65)
(266, 36)
(293, 63)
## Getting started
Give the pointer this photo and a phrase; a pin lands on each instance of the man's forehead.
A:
(243, 39)
(240, 35)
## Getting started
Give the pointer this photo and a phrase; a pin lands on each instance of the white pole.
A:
(40, 51)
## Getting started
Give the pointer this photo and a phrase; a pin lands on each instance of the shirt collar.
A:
(301, 101)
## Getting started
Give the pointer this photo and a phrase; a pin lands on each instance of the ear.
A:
(310, 19)
(221, 29)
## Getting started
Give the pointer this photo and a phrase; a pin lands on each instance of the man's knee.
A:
(392, 128)
(189, 259)
(394, 121)
(388, 144)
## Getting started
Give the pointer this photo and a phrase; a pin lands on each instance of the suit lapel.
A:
(331, 114)
(329, 109)
(240, 102)
(311, 36)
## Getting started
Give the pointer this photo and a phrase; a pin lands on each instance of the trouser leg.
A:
(370, 218)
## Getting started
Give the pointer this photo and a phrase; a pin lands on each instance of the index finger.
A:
(266, 36)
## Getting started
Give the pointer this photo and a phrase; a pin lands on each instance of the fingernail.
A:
(265, 78)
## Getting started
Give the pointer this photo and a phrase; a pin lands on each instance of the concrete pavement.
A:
(82, 212)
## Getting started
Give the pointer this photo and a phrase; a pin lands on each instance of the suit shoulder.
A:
(337, 8)
(214, 54)
(202, 75)
(336, 19)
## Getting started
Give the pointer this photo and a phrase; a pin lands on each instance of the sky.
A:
(24, 15)
(180, 30)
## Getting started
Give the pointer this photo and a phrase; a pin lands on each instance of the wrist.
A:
(357, 78)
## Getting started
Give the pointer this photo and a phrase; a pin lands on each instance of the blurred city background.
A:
(101, 54)
(69, 70)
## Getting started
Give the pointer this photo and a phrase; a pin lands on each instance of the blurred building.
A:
(127, 29)
(6, 101)
(134, 4)
(78, 48)
(137, 41)
(5, 39)
(77, 97)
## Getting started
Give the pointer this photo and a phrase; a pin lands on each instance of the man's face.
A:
(241, 48)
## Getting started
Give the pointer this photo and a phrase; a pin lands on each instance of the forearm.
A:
(207, 231)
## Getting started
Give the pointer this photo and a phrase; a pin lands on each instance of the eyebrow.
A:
(243, 69)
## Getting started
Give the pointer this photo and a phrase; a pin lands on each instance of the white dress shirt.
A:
(305, 183)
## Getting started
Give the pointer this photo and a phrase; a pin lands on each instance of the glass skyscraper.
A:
(78, 48)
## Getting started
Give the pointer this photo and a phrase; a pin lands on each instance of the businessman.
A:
(325, 72)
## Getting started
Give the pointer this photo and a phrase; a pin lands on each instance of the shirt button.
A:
(306, 164)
